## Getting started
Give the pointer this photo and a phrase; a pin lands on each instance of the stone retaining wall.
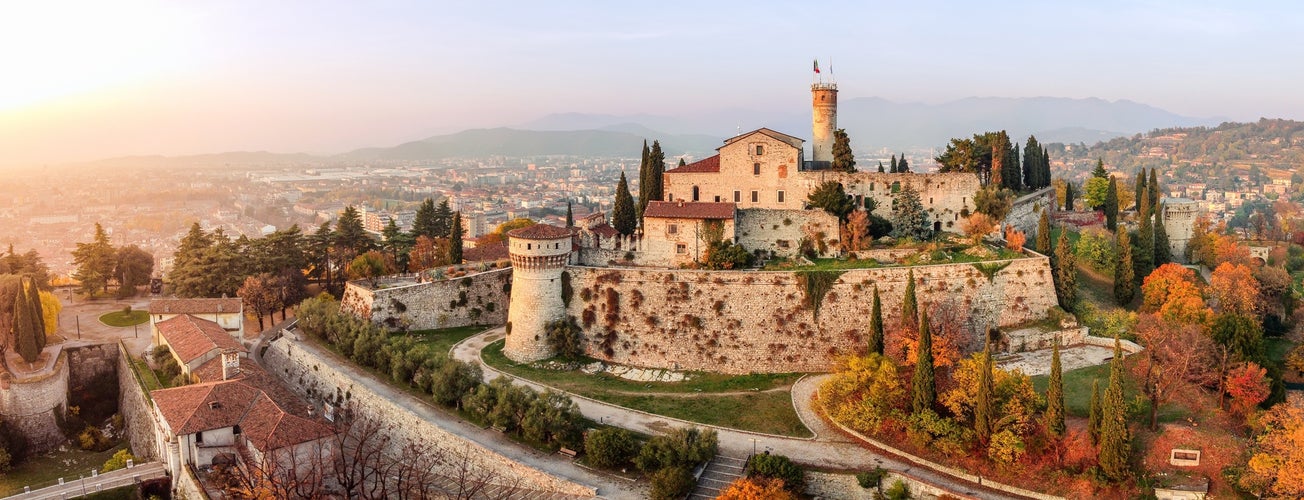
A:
(831, 486)
(34, 404)
(478, 299)
(316, 378)
(136, 408)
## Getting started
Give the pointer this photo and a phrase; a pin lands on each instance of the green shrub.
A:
(871, 479)
(93, 439)
(671, 483)
(777, 467)
(680, 448)
(118, 461)
(898, 491)
(610, 447)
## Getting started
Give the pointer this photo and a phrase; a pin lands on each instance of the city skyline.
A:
(98, 81)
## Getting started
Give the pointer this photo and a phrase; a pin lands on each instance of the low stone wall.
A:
(478, 299)
(827, 485)
(316, 378)
(1128, 346)
(34, 404)
(1032, 339)
(754, 321)
(136, 406)
(885, 255)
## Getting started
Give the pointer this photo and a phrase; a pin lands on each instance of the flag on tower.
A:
(817, 65)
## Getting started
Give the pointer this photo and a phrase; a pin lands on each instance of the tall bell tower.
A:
(824, 110)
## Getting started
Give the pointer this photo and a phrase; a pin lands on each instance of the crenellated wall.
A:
(478, 299)
(755, 321)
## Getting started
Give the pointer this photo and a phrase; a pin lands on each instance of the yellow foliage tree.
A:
(979, 225)
(1235, 289)
(864, 391)
(50, 307)
(756, 488)
(1172, 292)
(1276, 467)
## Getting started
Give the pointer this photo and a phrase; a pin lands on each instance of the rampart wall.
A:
(317, 377)
(136, 409)
(478, 299)
(779, 231)
(755, 321)
(34, 404)
(947, 197)
(1026, 211)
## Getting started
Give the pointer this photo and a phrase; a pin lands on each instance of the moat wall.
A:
(478, 299)
(753, 321)
(136, 409)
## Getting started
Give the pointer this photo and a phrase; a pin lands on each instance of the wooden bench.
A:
(502, 430)
(568, 452)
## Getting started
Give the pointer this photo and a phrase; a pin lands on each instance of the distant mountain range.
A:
(871, 122)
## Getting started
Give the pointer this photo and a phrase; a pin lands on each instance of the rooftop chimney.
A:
(230, 364)
(312, 412)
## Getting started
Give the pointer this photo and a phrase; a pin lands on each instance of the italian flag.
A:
(817, 65)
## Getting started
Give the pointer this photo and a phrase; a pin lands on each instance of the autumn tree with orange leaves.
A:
(1172, 292)
(1276, 464)
(1234, 288)
(1178, 360)
(756, 488)
(1247, 384)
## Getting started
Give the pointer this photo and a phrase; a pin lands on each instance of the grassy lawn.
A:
(45, 470)
(696, 400)
(442, 340)
(148, 377)
(118, 319)
(1077, 393)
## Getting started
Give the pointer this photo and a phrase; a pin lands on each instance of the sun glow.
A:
(50, 50)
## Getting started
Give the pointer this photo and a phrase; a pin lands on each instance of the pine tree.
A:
(1111, 205)
(682, 162)
(844, 160)
(982, 410)
(1153, 188)
(423, 223)
(1093, 413)
(1066, 273)
(924, 385)
(1099, 171)
(350, 234)
(1163, 252)
(622, 213)
(1043, 233)
(909, 304)
(876, 325)
(1124, 280)
(570, 215)
(95, 262)
(893, 168)
(1115, 442)
(1144, 257)
(1140, 188)
(443, 220)
(1054, 415)
(1068, 196)
(455, 239)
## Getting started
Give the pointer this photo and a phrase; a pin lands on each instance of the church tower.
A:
(539, 255)
(824, 108)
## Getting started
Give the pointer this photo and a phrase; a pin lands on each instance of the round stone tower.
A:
(824, 108)
(539, 254)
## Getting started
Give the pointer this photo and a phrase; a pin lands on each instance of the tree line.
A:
(100, 264)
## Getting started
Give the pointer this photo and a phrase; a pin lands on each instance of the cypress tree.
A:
(570, 215)
(1093, 415)
(1153, 187)
(893, 168)
(1140, 188)
(27, 328)
(1054, 416)
(880, 166)
(1068, 196)
(1144, 257)
(38, 313)
(1115, 442)
(1163, 253)
(844, 159)
(1045, 166)
(682, 162)
(1124, 280)
(876, 325)
(1065, 273)
(1111, 205)
(455, 239)
(909, 305)
(622, 212)
(924, 385)
(643, 183)
(1032, 163)
(982, 410)
(656, 170)
(903, 166)
(1043, 233)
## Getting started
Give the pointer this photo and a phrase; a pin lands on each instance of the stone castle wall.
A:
(1025, 214)
(315, 375)
(753, 321)
(779, 231)
(478, 299)
(136, 409)
(947, 197)
(1179, 222)
(34, 404)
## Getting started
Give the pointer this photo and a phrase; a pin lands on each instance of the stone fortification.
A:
(314, 375)
(34, 404)
(478, 299)
(947, 197)
(136, 409)
(778, 231)
(539, 256)
(1179, 222)
(1025, 214)
(754, 321)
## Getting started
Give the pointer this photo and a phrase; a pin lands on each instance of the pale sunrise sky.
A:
(89, 80)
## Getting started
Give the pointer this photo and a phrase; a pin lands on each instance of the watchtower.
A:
(824, 109)
(539, 255)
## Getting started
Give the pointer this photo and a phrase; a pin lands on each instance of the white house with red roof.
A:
(227, 312)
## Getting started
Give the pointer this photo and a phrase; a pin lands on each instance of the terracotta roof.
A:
(195, 306)
(541, 232)
(191, 337)
(793, 141)
(269, 416)
(706, 165)
(604, 230)
(689, 210)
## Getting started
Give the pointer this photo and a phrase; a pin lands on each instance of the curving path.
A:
(829, 449)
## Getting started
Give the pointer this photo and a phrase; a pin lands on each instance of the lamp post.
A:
(753, 446)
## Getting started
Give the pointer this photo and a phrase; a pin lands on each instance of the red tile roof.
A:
(689, 210)
(195, 306)
(269, 416)
(707, 165)
(191, 338)
(541, 232)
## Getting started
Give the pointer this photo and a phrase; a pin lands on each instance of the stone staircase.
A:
(719, 472)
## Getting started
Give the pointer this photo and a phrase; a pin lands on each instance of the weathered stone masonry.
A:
(478, 299)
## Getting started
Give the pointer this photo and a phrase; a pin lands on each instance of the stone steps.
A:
(717, 475)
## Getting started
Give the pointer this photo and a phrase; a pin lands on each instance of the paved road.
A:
(75, 487)
(829, 449)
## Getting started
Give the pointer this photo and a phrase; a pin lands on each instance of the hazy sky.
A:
(98, 79)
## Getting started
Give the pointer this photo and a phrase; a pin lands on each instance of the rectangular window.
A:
(782, 243)
(756, 196)
(738, 198)
(717, 199)
(199, 437)
(760, 150)
(672, 228)
(681, 248)
(756, 169)
(780, 196)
